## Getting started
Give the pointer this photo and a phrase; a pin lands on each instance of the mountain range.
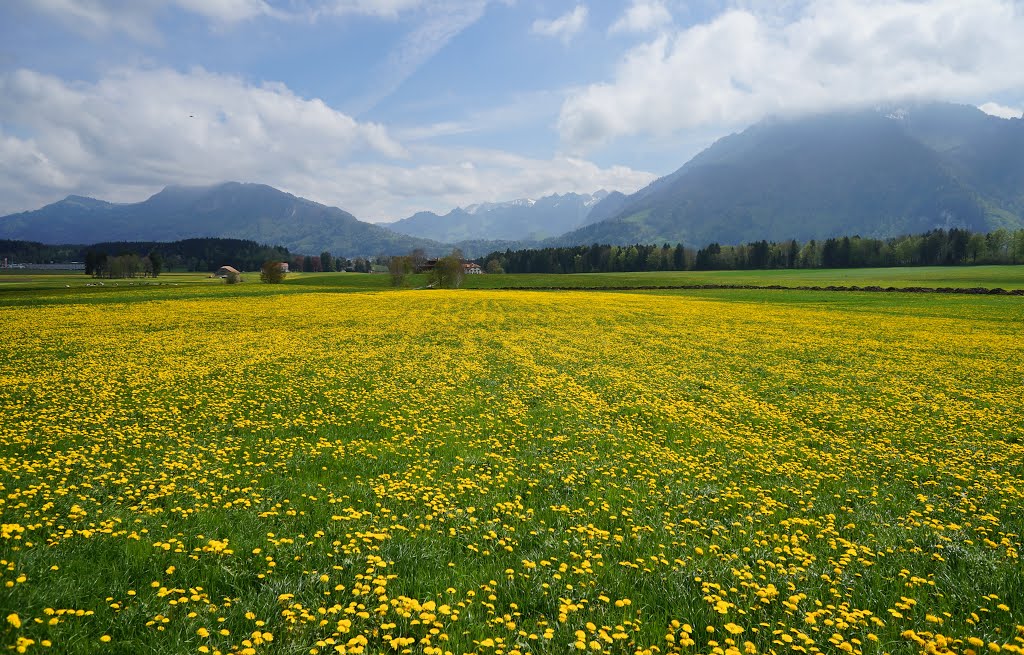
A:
(232, 209)
(877, 172)
(516, 220)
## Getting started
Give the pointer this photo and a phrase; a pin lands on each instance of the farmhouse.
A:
(468, 267)
(426, 266)
(225, 271)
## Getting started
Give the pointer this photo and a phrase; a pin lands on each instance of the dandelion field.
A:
(512, 472)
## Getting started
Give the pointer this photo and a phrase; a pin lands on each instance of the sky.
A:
(388, 107)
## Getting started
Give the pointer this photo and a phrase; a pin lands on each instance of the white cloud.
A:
(443, 21)
(134, 131)
(643, 16)
(382, 8)
(741, 66)
(1002, 111)
(136, 17)
(443, 178)
(564, 27)
(140, 128)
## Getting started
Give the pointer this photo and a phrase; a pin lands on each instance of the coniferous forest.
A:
(954, 247)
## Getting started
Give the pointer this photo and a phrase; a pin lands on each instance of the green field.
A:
(1006, 277)
(333, 466)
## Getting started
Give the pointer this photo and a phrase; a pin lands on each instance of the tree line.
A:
(129, 258)
(940, 247)
(328, 263)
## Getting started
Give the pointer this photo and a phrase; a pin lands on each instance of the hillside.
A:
(877, 173)
(243, 211)
(515, 220)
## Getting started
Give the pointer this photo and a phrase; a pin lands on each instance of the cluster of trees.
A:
(328, 263)
(32, 252)
(187, 255)
(200, 254)
(589, 259)
(444, 272)
(448, 272)
(124, 265)
(934, 248)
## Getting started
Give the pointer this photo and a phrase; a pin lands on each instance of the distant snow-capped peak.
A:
(479, 208)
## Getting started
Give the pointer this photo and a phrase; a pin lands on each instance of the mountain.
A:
(515, 220)
(242, 211)
(607, 207)
(878, 173)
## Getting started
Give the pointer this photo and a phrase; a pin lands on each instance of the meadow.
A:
(325, 467)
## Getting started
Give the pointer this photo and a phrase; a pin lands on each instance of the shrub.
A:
(272, 272)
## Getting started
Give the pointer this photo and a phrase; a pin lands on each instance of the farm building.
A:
(224, 271)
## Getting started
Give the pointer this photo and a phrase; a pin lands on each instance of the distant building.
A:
(225, 271)
(283, 266)
(468, 267)
(426, 266)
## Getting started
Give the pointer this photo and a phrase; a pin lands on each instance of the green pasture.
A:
(188, 464)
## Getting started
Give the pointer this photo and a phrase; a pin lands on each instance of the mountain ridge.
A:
(521, 219)
(238, 210)
(877, 173)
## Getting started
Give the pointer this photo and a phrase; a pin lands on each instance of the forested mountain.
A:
(877, 173)
(515, 220)
(244, 211)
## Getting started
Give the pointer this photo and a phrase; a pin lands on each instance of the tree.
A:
(233, 277)
(327, 261)
(679, 257)
(95, 262)
(156, 263)
(448, 271)
(272, 272)
(494, 267)
(399, 267)
(418, 258)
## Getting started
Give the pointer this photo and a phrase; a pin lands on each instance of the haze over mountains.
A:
(242, 211)
(515, 220)
(878, 173)
(881, 172)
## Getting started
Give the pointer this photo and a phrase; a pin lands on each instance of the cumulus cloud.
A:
(564, 27)
(742, 65)
(130, 133)
(642, 16)
(1002, 111)
(146, 127)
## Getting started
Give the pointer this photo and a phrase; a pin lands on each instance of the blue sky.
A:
(388, 107)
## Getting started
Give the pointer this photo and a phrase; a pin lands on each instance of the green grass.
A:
(655, 443)
(1006, 277)
(64, 285)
